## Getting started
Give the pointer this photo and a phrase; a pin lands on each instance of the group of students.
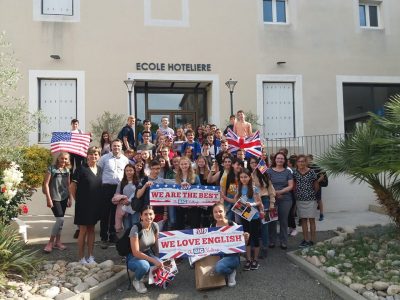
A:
(114, 188)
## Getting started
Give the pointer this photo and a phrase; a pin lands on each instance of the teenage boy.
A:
(217, 139)
(143, 192)
(241, 127)
(223, 149)
(75, 159)
(147, 127)
(147, 145)
(191, 143)
(127, 134)
(241, 156)
(232, 120)
(164, 129)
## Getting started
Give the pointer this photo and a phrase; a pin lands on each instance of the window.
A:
(275, 11)
(58, 102)
(56, 10)
(58, 7)
(361, 98)
(369, 15)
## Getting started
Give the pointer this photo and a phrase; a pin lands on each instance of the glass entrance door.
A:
(176, 118)
(179, 103)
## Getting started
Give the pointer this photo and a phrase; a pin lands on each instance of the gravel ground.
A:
(277, 278)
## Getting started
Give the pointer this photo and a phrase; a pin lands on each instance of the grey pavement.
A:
(277, 277)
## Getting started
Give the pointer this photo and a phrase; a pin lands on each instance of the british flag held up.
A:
(251, 144)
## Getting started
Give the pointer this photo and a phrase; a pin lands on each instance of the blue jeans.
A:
(140, 266)
(227, 265)
(230, 215)
(129, 220)
(264, 227)
(172, 217)
(284, 206)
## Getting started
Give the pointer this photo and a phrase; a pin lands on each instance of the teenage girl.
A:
(186, 177)
(202, 170)
(146, 157)
(253, 227)
(267, 194)
(229, 262)
(124, 196)
(56, 184)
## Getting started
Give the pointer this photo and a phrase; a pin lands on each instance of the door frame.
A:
(297, 81)
(213, 102)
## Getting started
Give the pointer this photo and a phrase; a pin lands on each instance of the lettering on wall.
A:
(172, 67)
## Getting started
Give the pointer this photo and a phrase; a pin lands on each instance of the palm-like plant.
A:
(372, 154)
(14, 257)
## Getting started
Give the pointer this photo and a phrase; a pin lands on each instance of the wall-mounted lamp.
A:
(55, 56)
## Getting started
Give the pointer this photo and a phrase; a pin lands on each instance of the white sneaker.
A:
(83, 261)
(232, 279)
(91, 260)
(294, 232)
(139, 286)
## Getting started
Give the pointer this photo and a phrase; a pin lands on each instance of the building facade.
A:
(305, 67)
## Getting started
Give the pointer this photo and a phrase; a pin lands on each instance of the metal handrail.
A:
(315, 144)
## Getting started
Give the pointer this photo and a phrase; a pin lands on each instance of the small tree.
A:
(15, 118)
(112, 123)
(372, 154)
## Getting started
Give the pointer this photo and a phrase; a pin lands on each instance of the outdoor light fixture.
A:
(130, 83)
(230, 84)
(55, 56)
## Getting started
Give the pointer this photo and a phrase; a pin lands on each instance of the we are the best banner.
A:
(175, 195)
(201, 242)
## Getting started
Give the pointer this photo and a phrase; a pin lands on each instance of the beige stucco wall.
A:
(321, 41)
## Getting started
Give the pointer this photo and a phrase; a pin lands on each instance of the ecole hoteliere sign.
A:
(171, 67)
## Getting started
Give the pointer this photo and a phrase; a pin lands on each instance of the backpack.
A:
(123, 245)
(138, 203)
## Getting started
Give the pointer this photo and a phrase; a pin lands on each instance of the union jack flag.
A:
(162, 277)
(251, 144)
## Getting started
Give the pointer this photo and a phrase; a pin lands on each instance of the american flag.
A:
(251, 144)
(262, 166)
(77, 143)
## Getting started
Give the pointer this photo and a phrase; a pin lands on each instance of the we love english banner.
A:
(201, 241)
(174, 195)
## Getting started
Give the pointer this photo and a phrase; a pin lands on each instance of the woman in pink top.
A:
(241, 127)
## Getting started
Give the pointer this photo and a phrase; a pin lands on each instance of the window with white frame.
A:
(56, 10)
(58, 103)
(275, 11)
(58, 7)
(369, 15)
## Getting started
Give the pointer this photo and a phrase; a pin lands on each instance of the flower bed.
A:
(368, 263)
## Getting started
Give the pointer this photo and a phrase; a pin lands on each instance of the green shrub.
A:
(14, 257)
(34, 162)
